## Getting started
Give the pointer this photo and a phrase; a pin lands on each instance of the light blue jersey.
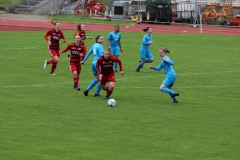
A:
(97, 50)
(147, 38)
(169, 71)
(114, 39)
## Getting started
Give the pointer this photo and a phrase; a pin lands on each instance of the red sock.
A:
(75, 80)
(54, 66)
(109, 92)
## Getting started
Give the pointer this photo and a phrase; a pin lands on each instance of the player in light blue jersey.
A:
(114, 43)
(145, 54)
(97, 50)
(171, 76)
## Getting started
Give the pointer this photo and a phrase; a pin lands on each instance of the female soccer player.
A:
(97, 50)
(106, 73)
(53, 36)
(76, 53)
(171, 76)
(80, 31)
(145, 54)
(114, 43)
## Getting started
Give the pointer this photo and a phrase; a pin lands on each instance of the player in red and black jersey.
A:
(106, 73)
(76, 53)
(52, 37)
(80, 31)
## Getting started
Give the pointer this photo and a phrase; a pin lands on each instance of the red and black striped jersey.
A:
(54, 38)
(81, 33)
(75, 50)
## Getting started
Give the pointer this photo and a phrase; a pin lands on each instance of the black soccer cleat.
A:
(85, 93)
(96, 95)
(137, 70)
(175, 94)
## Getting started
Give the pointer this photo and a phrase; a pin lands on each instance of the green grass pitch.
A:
(43, 118)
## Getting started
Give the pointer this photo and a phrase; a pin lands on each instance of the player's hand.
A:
(81, 62)
(121, 73)
(60, 52)
(49, 43)
(121, 50)
(90, 37)
(165, 60)
(100, 76)
(63, 40)
(150, 67)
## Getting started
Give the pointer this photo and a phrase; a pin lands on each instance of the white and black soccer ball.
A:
(112, 102)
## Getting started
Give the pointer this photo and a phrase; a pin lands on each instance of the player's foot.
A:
(85, 93)
(175, 94)
(107, 98)
(52, 74)
(76, 87)
(137, 70)
(115, 70)
(96, 95)
(175, 101)
(45, 64)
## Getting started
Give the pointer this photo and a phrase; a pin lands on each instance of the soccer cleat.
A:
(96, 95)
(175, 101)
(45, 64)
(76, 87)
(52, 74)
(137, 70)
(107, 98)
(175, 94)
(85, 93)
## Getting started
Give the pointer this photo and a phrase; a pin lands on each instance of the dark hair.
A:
(98, 36)
(79, 26)
(164, 49)
(54, 23)
(117, 25)
(146, 29)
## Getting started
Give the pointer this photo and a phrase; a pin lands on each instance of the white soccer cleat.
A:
(45, 64)
(52, 74)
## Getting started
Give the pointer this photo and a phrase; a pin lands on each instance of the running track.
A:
(31, 25)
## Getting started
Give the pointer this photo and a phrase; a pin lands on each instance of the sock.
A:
(148, 61)
(115, 65)
(139, 66)
(98, 88)
(50, 61)
(109, 92)
(75, 80)
(167, 90)
(92, 84)
(54, 66)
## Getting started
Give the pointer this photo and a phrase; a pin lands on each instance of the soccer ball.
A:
(112, 102)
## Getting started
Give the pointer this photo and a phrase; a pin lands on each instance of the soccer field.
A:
(44, 117)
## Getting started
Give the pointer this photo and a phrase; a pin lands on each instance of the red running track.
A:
(30, 25)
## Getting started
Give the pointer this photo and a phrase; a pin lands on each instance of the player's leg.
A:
(111, 79)
(116, 54)
(93, 82)
(143, 57)
(150, 57)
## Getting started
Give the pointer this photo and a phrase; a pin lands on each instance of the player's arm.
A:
(46, 35)
(158, 68)
(115, 59)
(144, 41)
(98, 67)
(66, 49)
(168, 61)
(63, 38)
(87, 55)
(108, 41)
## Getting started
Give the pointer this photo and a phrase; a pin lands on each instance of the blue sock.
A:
(139, 66)
(115, 65)
(92, 84)
(98, 88)
(148, 61)
(174, 98)
(167, 90)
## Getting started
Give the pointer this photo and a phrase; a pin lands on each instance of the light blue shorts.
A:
(115, 51)
(169, 80)
(144, 54)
